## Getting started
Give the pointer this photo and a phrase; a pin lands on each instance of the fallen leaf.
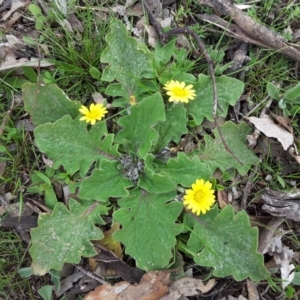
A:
(188, 287)
(252, 290)
(107, 291)
(153, 286)
(284, 122)
(152, 35)
(267, 126)
(16, 4)
(222, 198)
(292, 152)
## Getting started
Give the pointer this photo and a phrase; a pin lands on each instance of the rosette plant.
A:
(125, 164)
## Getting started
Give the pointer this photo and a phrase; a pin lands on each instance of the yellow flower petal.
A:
(95, 113)
(200, 198)
(178, 92)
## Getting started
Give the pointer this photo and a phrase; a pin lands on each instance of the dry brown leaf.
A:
(188, 287)
(107, 291)
(153, 286)
(283, 121)
(267, 126)
(222, 197)
(152, 35)
(293, 153)
(252, 290)
(16, 4)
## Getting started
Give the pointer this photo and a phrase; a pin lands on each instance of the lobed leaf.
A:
(148, 227)
(172, 128)
(108, 181)
(155, 183)
(68, 143)
(53, 242)
(229, 91)
(47, 103)
(127, 61)
(214, 155)
(138, 134)
(228, 244)
(183, 170)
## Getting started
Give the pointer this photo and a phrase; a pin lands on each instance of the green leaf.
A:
(47, 103)
(138, 134)
(53, 242)
(155, 183)
(229, 245)
(68, 143)
(296, 280)
(109, 181)
(50, 196)
(273, 91)
(293, 94)
(229, 91)
(25, 272)
(46, 292)
(128, 62)
(214, 155)
(163, 54)
(43, 177)
(35, 9)
(30, 74)
(95, 73)
(116, 89)
(15, 82)
(148, 227)
(183, 170)
(172, 128)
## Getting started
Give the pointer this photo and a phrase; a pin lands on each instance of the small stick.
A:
(90, 274)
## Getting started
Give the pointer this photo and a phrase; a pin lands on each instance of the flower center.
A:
(199, 196)
(94, 114)
(179, 92)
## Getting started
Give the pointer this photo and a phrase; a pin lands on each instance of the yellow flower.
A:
(96, 112)
(178, 92)
(200, 198)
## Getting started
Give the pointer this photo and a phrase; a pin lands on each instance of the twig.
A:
(247, 189)
(253, 29)
(154, 22)
(224, 142)
(90, 274)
